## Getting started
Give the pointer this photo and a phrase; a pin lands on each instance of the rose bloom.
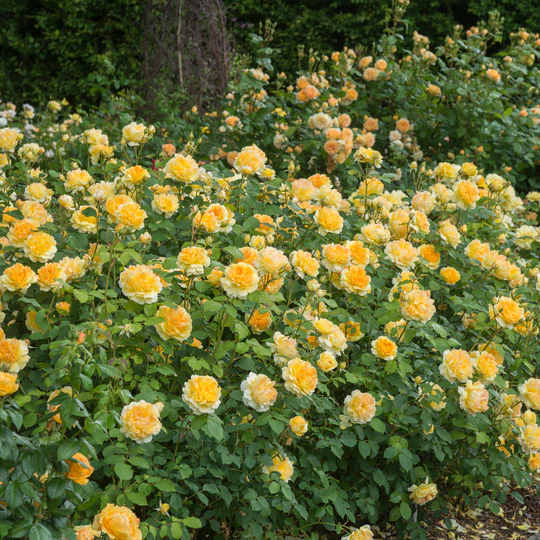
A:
(133, 134)
(534, 461)
(135, 176)
(477, 251)
(85, 220)
(402, 253)
(271, 261)
(202, 393)
(140, 284)
(433, 90)
(352, 330)
(21, 230)
(423, 493)
(8, 384)
(9, 139)
(430, 255)
(298, 426)
(114, 202)
(40, 247)
(437, 392)
(305, 264)
(177, 323)
(130, 217)
(506, 312)
(259, 392)
(17, 278)
(239, 280)
(193, 260)
(363, 533)
(302, 190)
(118, 523)
(73, 267)
(474, 398)
(529, 437)
(327, 362)
(424, 201)
(79, 469)
(384, 348)
(140, 421)
(494, 75)
(398, 223)
(13, 355)
(417, 305)
(368, 155)
(354, 279)
(456, 364)
(77, 180)
(359, 407)
(52, 408)
(449, 233)
(166, 204)
(300, 377)
(361, 256)
(250, 160)
(328, 220)
(86, 532)
(529, 392)
(281, 465)
(335, 257)
(283, 348)
(38, 192)
(35, 211)
(526, 235)
(50, 277)
(182, 169)
(450, 275)
(446, 171)
(375, 233)
(466, 194)
(485, 364)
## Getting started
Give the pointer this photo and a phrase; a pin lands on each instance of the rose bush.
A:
(268, 338)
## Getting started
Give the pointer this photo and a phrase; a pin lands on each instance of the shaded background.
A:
(180, 51)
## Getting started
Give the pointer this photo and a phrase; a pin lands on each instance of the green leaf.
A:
(192, 522)
(377, 425)
(165, 485)
(405, 511)
(214, 428)
(56, 487)
(39, 532)
(123, 471)
(68, 449)
(137, 498)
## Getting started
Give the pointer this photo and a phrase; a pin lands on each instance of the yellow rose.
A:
(283, 348)
(281, 465)
(506, 312)
(130, 217)
(466, 194)
(449, 233)
(259, 392)
(140, 421)
(77, 180)
(21, 230)
(134, 134)
(298, 426)
(140, 284)
(202, 393)
(260, 321)
(271, 261)
(423, 493)
(360, 407)
(354, 279)
(118, 523)
(50, 277)
(402, 253)
(327, 362)
(328, 220)
(363, 533)
(529, 392)
(182, 169)
(450, 275)
(166, 204)
(135, 176)
(17, 278)
(384, 348)
(485, 364)
(193, 260)
(177, 324)
(304, 264)
(9, 139)
(375, 233)
(300, 377)
(239, 279)
(85, 219)
(250, 160)
(529, 437)
(40, 247)
(74, 268)
(474, 398)
(79, 469)
(335, 257)
(8, 384)
(456, 364)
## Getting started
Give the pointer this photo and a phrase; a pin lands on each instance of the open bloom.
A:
(473, 398)
(193, 260)
(423, 493)
(17, 278)
(40, 247)
(355, 280)
(298, 425)
(239, 280)
(363, 533)
(140, 284)
(384, 348)
(118, 523)
(8, 384)
(13, 355)
(506, 312)
(328, 220)
(300, 377)
(250, 160)
(282, 465)
(456, 364)
(284, 348)
(202, 393)
(182, 169)
(140, 421)
(529, 392)
(259, 392)
(402, 253)
(359, 407)
(177, 324)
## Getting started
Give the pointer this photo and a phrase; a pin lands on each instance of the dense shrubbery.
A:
(302, 317)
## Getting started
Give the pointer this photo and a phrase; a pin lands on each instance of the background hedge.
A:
(84, 49)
